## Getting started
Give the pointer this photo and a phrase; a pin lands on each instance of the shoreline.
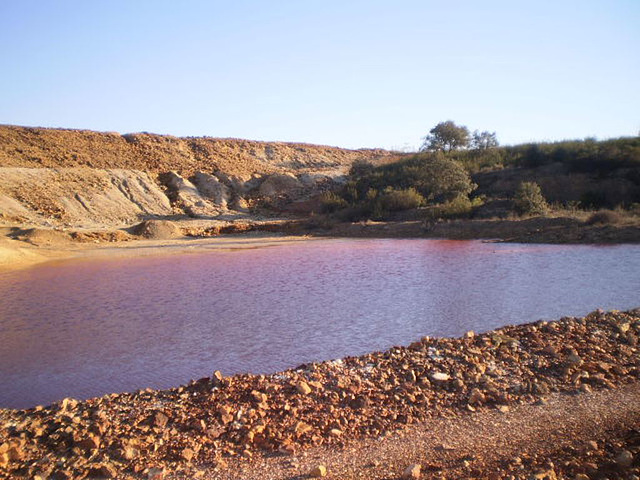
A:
(212, 426)
(17, 255)
(49, 245)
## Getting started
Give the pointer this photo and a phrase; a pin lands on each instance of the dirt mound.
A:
(86, 179)
(48, 147)
(157, 230)
(82, 197)
(43, 236)
(102, 236)
(280, 185)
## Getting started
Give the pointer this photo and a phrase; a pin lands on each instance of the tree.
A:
(484, 140)
(529, 199)
(446, 136)
(440, 179)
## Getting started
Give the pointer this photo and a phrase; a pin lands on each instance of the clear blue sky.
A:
(347, 73)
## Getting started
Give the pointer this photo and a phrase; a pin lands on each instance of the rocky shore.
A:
(212, 425)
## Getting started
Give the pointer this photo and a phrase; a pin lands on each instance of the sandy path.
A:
(485, 440)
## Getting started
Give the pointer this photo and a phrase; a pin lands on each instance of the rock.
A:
(92, 442)
(258, 397)
(159, 420)
(68, 404)
(287, 448)
(319, 471)
(185, 195)
(317, 386)
(624, 459)
(11, 453)
(301, 428)
(218, 379)
(412, 472)
(476, 397)
(105, 470)
(187, 454)
(225, 414)
(61, 475)
(546, 475)
(130, 453)
(439, 377)
(573, 359)
(303, 388)
(240, 204)
(155, 473)
(581, 476)
(211, 188)
(361, 401)
(469, 334)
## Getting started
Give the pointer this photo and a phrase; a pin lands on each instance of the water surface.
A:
(86, 328)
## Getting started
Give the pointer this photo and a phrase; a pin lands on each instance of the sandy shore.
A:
(23, 247)
(16, 254)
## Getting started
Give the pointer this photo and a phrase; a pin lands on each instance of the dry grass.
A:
(605, 217)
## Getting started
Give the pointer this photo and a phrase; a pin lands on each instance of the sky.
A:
(346, 73)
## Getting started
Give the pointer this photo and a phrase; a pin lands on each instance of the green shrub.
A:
(588, 155)
(432, 175)
(459, 207)
(396, 200)
(529, 200)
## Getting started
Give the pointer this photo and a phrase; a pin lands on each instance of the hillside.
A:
(81, 178)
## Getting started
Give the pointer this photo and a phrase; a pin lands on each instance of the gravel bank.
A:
(211, 426)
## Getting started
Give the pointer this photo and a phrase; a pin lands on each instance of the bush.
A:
(529, 200)
(604, 217)
(360, 168)
(432, 175)
(459, 207)
(593, 200)
(331, 202)
(397, 200)
(589, 156)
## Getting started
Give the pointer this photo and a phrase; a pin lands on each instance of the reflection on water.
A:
(87, 328)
